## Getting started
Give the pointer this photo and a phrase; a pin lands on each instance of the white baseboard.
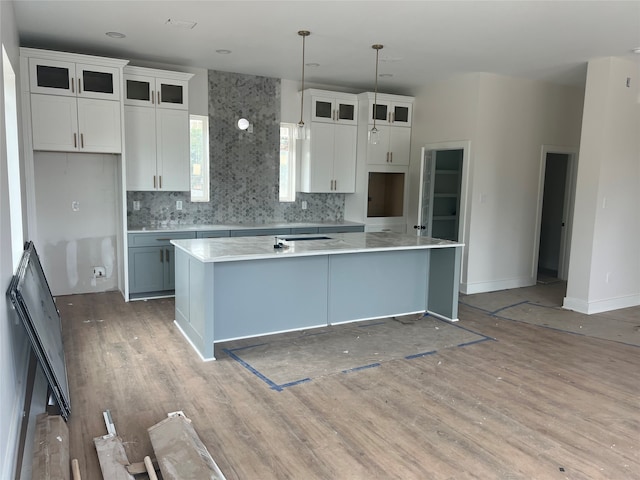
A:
(492, 286)
(599, 306)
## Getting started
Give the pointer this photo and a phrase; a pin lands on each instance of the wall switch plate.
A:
(178, 204)
(136, 204)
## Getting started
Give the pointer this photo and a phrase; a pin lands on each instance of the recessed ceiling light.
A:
(223, 51)
(312, 65)
(188, 24)
(115, 35)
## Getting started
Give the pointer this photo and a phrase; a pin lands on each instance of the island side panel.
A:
(377, 284)
(194, 302)
(257, 297)
(444, 282)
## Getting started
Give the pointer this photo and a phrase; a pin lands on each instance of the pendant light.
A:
(301, 131)
(373, 133)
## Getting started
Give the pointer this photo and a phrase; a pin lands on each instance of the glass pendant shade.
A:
(301, 131)
(374, 136)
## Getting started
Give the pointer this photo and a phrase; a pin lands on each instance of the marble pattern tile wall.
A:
(244, 166)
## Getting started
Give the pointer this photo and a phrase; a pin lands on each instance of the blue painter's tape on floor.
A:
(371, 324)
(364, 367)
(476, 341)
(271, 384)
(419, 355)
(509, 306)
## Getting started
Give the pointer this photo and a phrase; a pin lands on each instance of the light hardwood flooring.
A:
(537, 403)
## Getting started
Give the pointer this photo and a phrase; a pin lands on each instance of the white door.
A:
(54, 122)
(173, 158)
(140, 147)
(99, 126)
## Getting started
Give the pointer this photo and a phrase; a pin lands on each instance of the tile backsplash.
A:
(244, 166)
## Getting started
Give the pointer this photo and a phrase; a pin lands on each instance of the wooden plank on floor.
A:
(180, 453)
(51, 448)
(113, 459)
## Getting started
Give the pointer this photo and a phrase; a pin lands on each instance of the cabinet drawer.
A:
(157, 239)
(253, 232)
(341, 229)
(302, 230)
(212, 234)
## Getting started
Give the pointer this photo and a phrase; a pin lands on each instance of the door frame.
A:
(567, 208)
(465, 207)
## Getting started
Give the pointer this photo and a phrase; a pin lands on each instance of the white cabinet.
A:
(75, 101)
(393, 147)
(68, 78)
(328, 159)
(149, 87)
(156, 133)
(390, 112)
(329, 109)
(328, 156)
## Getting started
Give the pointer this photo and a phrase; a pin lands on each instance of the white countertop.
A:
(176, 227)
(254, 248)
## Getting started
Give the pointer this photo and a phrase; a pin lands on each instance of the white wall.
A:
(71, 242)
(507, 120)
(604, 269)
(14, 348)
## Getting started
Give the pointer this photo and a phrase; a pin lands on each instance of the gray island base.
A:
(232, 288)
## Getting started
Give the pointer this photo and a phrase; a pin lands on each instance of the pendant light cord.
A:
(377, 48)
(303, 34)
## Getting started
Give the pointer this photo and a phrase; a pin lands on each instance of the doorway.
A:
(555, 215)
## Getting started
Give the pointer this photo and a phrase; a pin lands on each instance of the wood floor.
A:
(536, 403)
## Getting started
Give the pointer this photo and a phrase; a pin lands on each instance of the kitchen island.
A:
(231, 288)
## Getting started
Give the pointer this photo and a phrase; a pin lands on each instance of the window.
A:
(12, 158)
(287, 163)
(199, 133)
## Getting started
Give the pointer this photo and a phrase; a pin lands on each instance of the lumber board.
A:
(180, 453)
(51, 448)
(113, 459)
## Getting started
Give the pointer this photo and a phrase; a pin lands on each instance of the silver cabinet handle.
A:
(153, 98)
(75, 140)
(391, 157)
(160, 182)
(154, 181)
(82, 140)
(158, 97)
(335, 184)
(73, 86)
(79, 86)
(161, 255)
(167, 255)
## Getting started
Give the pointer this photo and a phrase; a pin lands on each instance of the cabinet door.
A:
(322, 109)
(399, 145)
(172, 94)
(378, 154)
(169, 268)
(401, 114)
(140, 147)
(173, 155)
(346, 112)
(321, 164)
(99, 126)
(381, 110)
(344, 159)
(146, 269)
(94, 81)
(54, 123)
(52, 77)
(139, 90)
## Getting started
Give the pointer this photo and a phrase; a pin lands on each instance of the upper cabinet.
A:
(75, 101)
(56, 77)
(328, 156)
(156, 123)
(328, 108)
(146, 87)
(390, 112)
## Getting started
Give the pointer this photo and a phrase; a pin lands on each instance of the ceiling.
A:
(424, 41)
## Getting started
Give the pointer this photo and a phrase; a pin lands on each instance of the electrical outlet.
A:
(304, 204)
(136, 204)
(99, 272)
(178, 204)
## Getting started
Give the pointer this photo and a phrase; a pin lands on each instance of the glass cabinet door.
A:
(322, 110)
(52, 77)
(139, 90)
(95, 81)
(346, 112)
(334, 110)
(379, 111)
(171, 94)
(401, 114)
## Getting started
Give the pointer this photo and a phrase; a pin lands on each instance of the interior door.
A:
(425, 213)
